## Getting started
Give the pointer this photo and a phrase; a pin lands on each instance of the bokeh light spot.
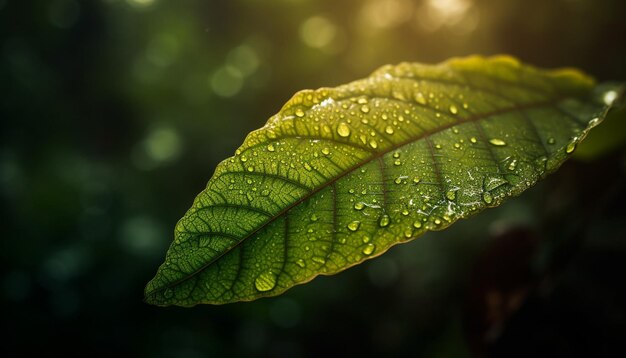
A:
(227, 81)
(244, 59)
(385, 13)
(143, 236)
(162, 145)
(318, 32)
(459, 15)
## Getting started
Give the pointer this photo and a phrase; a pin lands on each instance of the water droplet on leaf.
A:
(384, 221)
(490, 183)
(354, 226)
(497, 142)
(265, 281)
(419, 98)
(369, 249)
(343, 130)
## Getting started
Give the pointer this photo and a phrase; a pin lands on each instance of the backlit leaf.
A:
(341, 174)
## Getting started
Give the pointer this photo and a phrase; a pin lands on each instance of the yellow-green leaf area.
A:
(341, 174)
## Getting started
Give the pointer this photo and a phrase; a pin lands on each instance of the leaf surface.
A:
(341, 174)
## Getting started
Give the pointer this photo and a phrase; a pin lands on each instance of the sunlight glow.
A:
(460, 15)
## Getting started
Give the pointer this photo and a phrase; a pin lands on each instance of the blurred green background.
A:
(114, 114)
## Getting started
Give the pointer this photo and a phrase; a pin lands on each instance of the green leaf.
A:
(341, 174)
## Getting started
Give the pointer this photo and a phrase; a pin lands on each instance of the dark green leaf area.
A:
(340, 175)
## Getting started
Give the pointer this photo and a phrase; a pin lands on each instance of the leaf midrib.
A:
(375, 156)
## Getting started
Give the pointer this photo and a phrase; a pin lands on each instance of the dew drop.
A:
(417, 224)
(299, 112)
(419, 98)
(271, 148)
(490, 183)
(396, 154)
(325, 151)
(571, 147)
(594, 122)
(366, 239)
(354, 226)
(365, 109)
(405, 212)
(487, 197)
(307, 166)
(397, 162)
(384, 221)
(250, 169)
(416, 180)
(473, 140)
(369, 249)
(609, 97)
(362, 100)
(451, 194)
(408, 233)
(300, 263)
(314, 217)
(389, 130)
(453, 109)
(359, 206)
(437, 221)
(243, 158)
(398, 180)
(265, 281)
(373, 144)
(343, 130)
(551, 140)
(512, 165)
(319, 260)
(497, 142)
